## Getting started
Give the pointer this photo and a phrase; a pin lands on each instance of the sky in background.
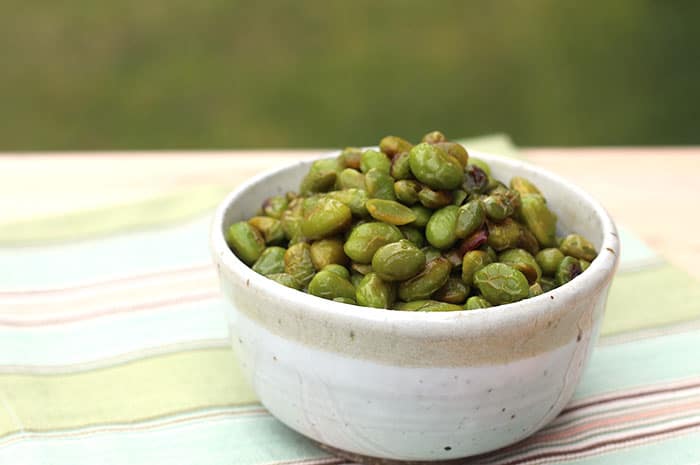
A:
(157, 74)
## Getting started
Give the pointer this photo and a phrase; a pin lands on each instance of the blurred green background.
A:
(159, 74)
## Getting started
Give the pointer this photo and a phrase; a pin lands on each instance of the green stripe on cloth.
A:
(189, 404)
(107, 258)
(254, 440)
(139, 390)
(238, 441)
(174, 206)
(647, 298)
(641, 363)
(169, 208)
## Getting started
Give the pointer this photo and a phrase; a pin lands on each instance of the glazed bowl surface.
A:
(416, 386)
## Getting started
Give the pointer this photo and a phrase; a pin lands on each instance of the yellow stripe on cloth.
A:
(140, 390)
(658, 296)
(153, 212)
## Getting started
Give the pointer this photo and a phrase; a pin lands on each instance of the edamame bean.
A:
(434, 167)
(398, 261)
(357, 231)
(501, 284)
(246, 241)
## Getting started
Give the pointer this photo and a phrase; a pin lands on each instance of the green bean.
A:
(373, 291)
(535, 289)
(271, 261)
(549, 260)
(320, 178)
(398, 261)
(522, 261)
(584, 264)
(393, 145)
(270, 228)
(567, 270)
(434, 167)
(380, 185)
(364, 240)
(401, 167)
(355, 199)
(355, 278)
(433, 199)
(471, 217)
(456, 150)
(340, 270)
(523, 186)
(329, 285)
(459, 196)
(539, 219)
(432, 278)
(475, 302)
(427, 305)
(350, 158)
(390, 212)
(548, 283)
(328, 217)
(371, 159)
(327, 251)
(440, 230)
(454, 291)
(291, 220)
(577, 246)
(426, 224)
(361, 268)
(504, 235)
(413, 234)
(406, 191)
(501, 284)
(434, 137)
(351, 178)
(431, 253)
(275, 206)
(246, 241)
(473, 261)
(298, 264)
(286, 279)
(423, 215)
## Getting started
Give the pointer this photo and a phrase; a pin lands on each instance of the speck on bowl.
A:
(411, 385)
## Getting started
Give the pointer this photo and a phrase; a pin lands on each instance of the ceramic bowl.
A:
(412, 385)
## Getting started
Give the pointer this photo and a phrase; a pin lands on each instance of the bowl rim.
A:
(598, 274)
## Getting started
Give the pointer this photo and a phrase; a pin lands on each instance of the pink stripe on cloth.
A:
(597, 448)
(109, 283)
(643, 392)
(688, 407)
(655, 412)
(111, 310)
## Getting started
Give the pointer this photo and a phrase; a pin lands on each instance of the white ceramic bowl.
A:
(413, 385)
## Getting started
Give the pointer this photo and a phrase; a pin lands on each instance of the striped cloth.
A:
(113, 348)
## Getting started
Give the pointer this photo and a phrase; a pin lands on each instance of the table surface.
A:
(652, 191)
(146, 302)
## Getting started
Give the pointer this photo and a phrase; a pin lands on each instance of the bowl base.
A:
(369, 460)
